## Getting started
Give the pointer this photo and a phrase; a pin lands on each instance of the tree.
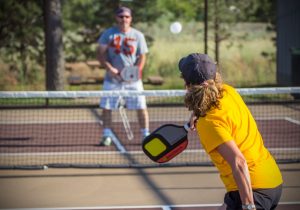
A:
(22, 37)
(54, 45)
(224, 14)
(183, 9)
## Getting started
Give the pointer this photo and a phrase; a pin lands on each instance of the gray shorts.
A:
(263, 198)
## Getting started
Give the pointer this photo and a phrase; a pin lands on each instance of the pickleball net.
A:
(41, 129)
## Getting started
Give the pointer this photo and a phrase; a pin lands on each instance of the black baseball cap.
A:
(197, 68)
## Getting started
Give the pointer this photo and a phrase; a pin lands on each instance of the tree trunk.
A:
(54, 45)
(217, 32)
(205, 26)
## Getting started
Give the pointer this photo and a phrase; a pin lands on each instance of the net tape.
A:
(163, 93)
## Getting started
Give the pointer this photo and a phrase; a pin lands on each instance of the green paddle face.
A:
(155, 147)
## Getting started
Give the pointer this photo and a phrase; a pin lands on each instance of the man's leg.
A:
(108, 104)
(107, 133)
(143, 118)
(106, 118)
(139, 103)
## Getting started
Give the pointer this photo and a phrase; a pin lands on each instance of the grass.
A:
(244, 58)
(245, 65)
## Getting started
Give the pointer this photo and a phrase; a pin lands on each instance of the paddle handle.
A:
(187, 127)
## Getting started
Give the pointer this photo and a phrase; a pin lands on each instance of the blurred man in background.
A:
(121, 46)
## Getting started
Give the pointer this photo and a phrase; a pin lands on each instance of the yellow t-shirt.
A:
(233, 121)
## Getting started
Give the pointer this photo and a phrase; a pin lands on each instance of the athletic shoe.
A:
(106, 141)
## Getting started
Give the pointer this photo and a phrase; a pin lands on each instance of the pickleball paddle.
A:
(166, 142)
(130, 73)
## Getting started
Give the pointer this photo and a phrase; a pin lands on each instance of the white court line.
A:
(124, 151)
(79, 121)
(292, 120)
(122, 207)
(289, 119)
(84, 153)
(67, 153)
(141, 207)
(45, 121)
(51, 122)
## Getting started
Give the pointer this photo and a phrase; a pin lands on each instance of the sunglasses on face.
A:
(123, 16)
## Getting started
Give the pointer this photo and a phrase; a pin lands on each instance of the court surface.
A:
(128, 188)
(151, 188)
(66, 135)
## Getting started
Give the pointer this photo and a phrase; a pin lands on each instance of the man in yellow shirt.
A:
(229, 135)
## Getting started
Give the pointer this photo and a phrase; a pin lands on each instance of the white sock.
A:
(145, 131)
(107, 132)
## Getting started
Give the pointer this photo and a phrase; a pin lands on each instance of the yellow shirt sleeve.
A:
(213, 132)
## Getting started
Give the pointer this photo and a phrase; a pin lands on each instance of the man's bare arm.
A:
(102, 58)
(141, 63)
(231, 153)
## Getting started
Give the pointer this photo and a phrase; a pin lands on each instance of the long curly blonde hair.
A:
(201, 98)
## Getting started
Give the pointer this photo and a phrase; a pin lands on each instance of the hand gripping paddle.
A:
(166, 142)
